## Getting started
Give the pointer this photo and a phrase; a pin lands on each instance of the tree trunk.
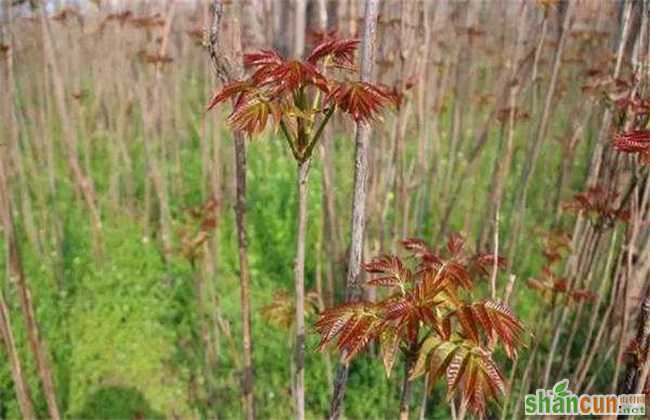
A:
(26, 304)
(244, 274)
(405, 399)
(252, 26)
(331, 219)
(603, 135)
(161, 185)
(300, 26)
(228, 67)
(83, 181)
(331, 228)
(299, 278)
(540, 134)
(20, 385)
(425, 392)
(358, 221)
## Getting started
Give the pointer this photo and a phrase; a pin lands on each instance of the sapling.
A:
(300, 97)
(428, 315)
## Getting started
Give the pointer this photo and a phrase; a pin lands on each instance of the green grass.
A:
(123, 334)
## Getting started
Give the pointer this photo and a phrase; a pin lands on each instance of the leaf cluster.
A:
(635, 142)
(598, 203)
(200, 223)
(300, 96)
(282, 310)
(556, 247)
(428, 314)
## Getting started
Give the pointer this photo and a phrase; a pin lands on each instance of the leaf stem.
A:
(290, 141)
(310, 147)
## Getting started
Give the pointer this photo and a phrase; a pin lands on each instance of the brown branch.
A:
(229, 68)
(353, 288)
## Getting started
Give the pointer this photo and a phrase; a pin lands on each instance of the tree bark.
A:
(332, 225)
(503, 158)
(405, 399)
(83, 181)
(252, 26)
(540, 134)
(228, 67)
(244, 274)
(300, 26)
(26, 304)
(353, 289)
(603, 135)
(20, 385)
(299, 278)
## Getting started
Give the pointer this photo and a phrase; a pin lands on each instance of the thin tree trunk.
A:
(244, 274)
(538, 54)
(20, 385)
(634, 372)
(161, 184)
(228, 67)
(596, 315)
(423, 403)
(566, 165)
(331, 226)
(208, 350)
(300, 26)
(84, 183)
(471, 166)
(633, 231)
(252, 27)
(27, 306)
(407, 42)
(503, 159)
(353, 288)
(405, 399)
(299, 278)
(463, 80)
(603, 135)
(331, 219)
(11, 124)
(540, 134)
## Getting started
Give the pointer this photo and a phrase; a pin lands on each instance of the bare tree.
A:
(226, 57)
(20, 385)
(357, 224)
(83, 181)
(26, 304)
(6, 333)
(539, 135)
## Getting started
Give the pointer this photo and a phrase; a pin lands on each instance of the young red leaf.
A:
(341, 52)
(363, 101)
(495, 320)
(597, 201)
(390, 340)
(236, 89)
(418, 247)
(392, 270)
(455, 244)
(456, 370)
(471, 373)
(457, 275)
(262, 59)
(583, 295)
(289, 76)
(252, 116)
(355, 324)
(484, 263)
(637, 141)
